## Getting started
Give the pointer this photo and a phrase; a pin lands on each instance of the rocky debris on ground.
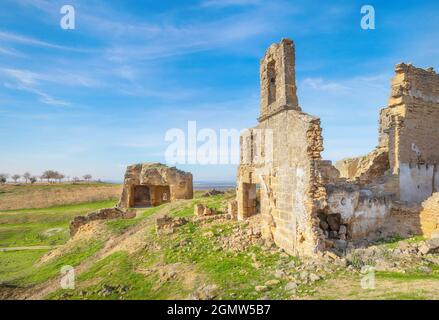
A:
(167, 224)
(212, 192)
(102, 214)
(205, 292)
(108, 290)
(102, 291)
(201, 210)
(241, 238)
(261, 288)
(430, 246)
(400, 257)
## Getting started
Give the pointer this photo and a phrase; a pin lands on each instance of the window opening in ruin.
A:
(160, 194)
(271, 75)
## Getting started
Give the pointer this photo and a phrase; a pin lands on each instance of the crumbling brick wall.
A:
(429, 217)
(409, 129)
(282, 155)
(309, 205)
(164, 183)
(101, 214)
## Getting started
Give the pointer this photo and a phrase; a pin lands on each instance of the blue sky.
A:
(94, 99)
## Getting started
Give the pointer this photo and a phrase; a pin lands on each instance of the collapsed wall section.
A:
(408, 128)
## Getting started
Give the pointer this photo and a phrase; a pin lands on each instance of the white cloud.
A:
(9, 52)
(26, 80)
(353, 85)
(322, 85)
(16, 38)
(43, 97)
(228, 3)
(65, 77)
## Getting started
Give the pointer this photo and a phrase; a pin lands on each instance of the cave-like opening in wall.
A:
(142, 196)
(251, 199)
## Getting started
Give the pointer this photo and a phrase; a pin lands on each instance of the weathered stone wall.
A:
(282, 156)
(159, 177)
(365, 169)
(102, 214)
(348, 167)
(307, 204)
(288, 181)
(362, 210)
(408, 128)
(429, 217)
(277, 76)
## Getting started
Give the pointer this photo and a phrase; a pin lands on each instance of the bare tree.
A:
(87, 177)
(75, 179)
(3, 178)
(27, 176)
(59, 176)
(15, 177)
(47, 175)
(50, 175)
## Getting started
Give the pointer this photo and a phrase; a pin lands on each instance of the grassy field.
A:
(31, 228)
(47, 226)
(22, 196)
(126, 259)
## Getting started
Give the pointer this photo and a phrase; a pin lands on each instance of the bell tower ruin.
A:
(278, 83)
(304, 203)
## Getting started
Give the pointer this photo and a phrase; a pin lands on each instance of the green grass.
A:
(215, 202)
(234, 273)
(14, 262)
(412, 274)
(119, 226)
(124, 282)
(33, 226)
(393, 242)
(31, 274)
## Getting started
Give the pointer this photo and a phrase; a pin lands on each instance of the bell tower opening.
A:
(271, 77)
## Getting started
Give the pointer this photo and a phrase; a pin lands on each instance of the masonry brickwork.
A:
(151, 184)
(307, 204)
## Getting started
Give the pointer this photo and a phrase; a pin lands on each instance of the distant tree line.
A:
(49, 176)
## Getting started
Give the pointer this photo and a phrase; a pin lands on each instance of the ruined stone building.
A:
(151, 184)
(307, 204)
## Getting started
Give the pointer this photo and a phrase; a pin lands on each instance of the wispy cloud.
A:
(27, 81)
(43, 96)
(228, 3)
(10, 52)
(349, 86)
(28, 77)
(322, 85)
(16, 38)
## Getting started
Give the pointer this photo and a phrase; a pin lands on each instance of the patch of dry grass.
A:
(14, 197)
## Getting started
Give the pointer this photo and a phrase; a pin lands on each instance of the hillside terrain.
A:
(23, 196)
(211, 258)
